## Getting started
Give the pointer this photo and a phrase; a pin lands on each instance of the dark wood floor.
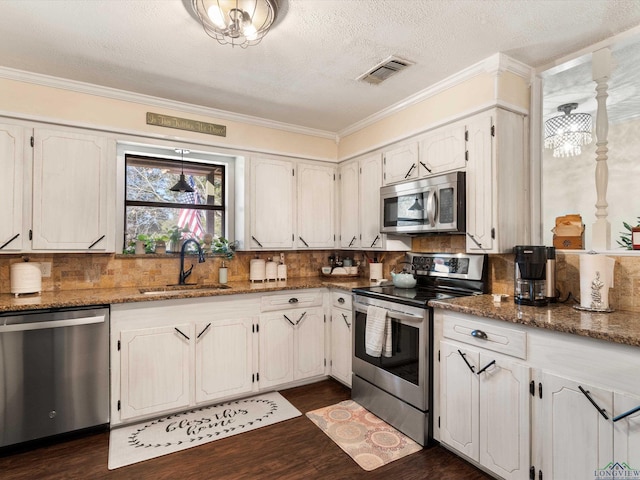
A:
(294, 449)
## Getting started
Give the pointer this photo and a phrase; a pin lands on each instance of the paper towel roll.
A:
(26, 277)
(596, 277)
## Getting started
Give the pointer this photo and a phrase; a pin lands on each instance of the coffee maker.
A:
(531, 274)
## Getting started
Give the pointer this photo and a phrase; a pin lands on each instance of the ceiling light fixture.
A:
(182, 185)
(241, 23)
(566, 134)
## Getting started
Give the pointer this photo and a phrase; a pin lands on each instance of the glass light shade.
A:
(567, 134)
(238, 22)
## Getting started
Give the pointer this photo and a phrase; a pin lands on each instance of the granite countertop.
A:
(618, 326)
(105, 296)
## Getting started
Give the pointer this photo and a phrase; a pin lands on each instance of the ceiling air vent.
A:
(384, 70)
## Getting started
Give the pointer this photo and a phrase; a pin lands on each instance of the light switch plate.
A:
(45, 267)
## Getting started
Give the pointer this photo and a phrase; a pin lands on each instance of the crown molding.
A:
(494, 64)
(123, 95)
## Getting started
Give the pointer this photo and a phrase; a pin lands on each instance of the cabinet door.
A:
(308, 350)
(316, 206)
(577, 440)
(155, 370)
(443, 150)
(626, 438)
(276, 349)
(370, 182)
(401, 163)
(459, 394)
(271, 198)
(11, 187)
(341, 345)
(480, 181)
(223, 358)
(70, 191)
(504, 417)
(349, 205)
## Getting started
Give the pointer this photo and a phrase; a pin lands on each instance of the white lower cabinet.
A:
(557, 406)
(291, 345)
(341, 340)
(484, 410)
(224, 358)
(155, 370)
(159, 365)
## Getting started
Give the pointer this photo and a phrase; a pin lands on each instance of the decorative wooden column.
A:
(601, 72)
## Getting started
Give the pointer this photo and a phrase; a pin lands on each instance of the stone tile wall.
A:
(85, 271)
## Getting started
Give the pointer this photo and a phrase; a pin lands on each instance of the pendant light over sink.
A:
(182, 185)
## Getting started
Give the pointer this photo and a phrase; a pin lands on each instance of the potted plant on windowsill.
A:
(176, 238)
(221, 246)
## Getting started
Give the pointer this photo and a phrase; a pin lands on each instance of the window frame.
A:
(196, 156)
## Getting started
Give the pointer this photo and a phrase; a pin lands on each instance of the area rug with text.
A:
(142, 441)
(368, 440)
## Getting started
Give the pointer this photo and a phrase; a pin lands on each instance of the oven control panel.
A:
(452, 265)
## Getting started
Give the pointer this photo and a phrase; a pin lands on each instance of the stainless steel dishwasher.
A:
(54, 372)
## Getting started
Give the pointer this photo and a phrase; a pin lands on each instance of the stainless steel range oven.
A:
(397, 386)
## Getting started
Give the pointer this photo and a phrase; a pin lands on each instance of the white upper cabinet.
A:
(58, 193)
(315, 206)
(11, 187)
(70, 191)
(360, 182)
(443, 150)
(497, 182)
(400, 163)
(370, 182)
(349, 174)
(271, 197)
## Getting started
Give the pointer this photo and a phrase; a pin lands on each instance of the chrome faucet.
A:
(184, 275)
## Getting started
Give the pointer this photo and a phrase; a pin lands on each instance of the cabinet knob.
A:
(341, 300)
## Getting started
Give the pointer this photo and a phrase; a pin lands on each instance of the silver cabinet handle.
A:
(479, 334)
(626, 414)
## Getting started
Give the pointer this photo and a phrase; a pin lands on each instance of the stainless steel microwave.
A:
(429, 205)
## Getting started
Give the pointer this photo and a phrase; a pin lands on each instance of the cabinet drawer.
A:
(499, 339)
(297, 299)
(341, 300)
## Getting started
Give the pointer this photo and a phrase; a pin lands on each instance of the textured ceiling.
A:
(304, 71)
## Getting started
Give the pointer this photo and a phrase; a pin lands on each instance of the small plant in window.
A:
(176, 234)
(222, 246)
(625, 237)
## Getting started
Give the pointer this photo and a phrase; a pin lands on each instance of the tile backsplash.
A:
(85, 271)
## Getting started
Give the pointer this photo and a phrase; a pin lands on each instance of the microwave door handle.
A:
(432, 207)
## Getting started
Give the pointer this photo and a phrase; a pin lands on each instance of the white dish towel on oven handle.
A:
(377, 335)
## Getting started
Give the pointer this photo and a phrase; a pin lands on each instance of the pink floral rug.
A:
(369, 441)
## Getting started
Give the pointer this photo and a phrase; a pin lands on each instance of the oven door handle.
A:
(396, 314)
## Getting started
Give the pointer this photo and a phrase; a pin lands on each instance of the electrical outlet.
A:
(46, 269)
(282, 258)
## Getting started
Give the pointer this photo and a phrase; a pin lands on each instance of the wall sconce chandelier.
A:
(241, 23)
(566, 134)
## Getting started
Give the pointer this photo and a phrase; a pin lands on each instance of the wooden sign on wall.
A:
(169, 121)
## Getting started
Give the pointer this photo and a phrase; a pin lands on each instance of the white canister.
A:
(282, 272)
(257, 270)
(26, 277)
(271, 271)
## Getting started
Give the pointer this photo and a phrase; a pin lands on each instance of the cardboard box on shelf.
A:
(568, 234)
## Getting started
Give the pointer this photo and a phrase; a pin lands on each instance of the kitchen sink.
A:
(177, 289)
